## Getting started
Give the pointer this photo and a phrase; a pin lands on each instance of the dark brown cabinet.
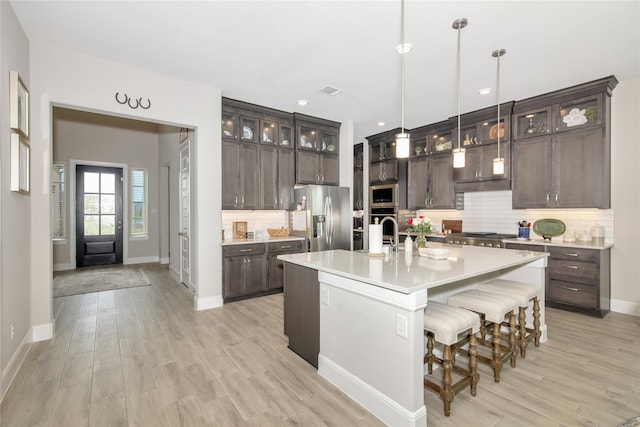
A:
(239, 172)
(275, 266)
(430, 183)
(562, 148)
(358, 177)
(317, 148)
(258, 162)
(244, 270)
(578, 279)
(479, 136)
(383, 164)
(302, 311)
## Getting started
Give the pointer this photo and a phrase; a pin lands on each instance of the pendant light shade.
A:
(498, 162)
(402, 138)
(459, 153)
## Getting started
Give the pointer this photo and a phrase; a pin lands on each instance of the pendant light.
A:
(402, 138)
(498, 162)
(458, 153)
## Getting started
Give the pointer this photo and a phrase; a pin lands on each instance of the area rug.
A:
(96, 279)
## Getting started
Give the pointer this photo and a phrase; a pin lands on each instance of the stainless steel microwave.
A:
(383, 196)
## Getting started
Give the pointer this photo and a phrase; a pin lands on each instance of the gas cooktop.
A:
(479, 238)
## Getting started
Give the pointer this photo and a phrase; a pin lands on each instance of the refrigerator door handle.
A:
(327, 216)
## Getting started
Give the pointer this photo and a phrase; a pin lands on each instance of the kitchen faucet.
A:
(394, 244)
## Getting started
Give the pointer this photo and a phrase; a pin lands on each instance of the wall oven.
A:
(383, 196)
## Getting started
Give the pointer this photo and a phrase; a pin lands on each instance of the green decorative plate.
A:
(548, 228)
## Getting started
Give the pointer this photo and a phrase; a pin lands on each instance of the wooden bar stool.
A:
(524, 293)
(493, 310)
(446, 324)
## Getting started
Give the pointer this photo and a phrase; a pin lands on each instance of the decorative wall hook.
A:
(132, 103)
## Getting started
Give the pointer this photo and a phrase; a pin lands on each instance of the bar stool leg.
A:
(473, 363)
(512, 338)
(447, 395)
(536, 321)
(430, 356)
(496, 363)
(522, 338)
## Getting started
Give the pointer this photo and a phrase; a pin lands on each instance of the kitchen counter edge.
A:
(541, 242)
(259, 240)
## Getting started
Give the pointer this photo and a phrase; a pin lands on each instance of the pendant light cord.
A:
(458, 77)
(402, 48)
(498, 99)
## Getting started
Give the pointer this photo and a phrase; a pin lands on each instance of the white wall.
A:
(89, 137)
(625, 196)
(15, 263)
(66, 79)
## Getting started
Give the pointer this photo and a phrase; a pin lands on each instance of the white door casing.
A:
(185, 214)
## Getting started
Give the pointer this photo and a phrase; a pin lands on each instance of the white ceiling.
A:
(273, 53)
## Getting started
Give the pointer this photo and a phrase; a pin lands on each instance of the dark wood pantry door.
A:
(98, 215)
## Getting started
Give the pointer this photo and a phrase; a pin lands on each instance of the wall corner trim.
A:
(207, 303)
(42, 332)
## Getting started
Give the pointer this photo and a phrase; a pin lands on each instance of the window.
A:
(58, 202)
(139, 202)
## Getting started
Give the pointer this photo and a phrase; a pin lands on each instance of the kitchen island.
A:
(371, 315)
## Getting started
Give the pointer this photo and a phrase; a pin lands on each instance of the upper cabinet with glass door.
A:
(574, 108)
(315, 134)
(481, 127)
(244, 122)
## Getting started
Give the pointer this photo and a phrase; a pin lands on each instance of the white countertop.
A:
(228, 242)
(558, 242)
(409, 272)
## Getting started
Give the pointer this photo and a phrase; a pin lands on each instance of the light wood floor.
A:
(144, 357)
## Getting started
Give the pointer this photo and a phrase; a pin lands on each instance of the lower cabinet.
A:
(578, 279)
(254, 269)
(244, 271)
(275, 266)
(302, 311)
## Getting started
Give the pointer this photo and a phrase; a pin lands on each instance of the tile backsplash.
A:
(492, 211)
(257, 221)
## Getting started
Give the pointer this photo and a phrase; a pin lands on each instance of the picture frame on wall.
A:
(19, 104)
(20, 164)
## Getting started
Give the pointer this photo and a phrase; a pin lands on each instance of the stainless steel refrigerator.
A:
(325, 217)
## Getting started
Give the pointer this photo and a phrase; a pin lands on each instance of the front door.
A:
(185, 214)
(98, 215)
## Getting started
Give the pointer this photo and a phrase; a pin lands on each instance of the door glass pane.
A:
(107, 183)
(107, 224)
(91, 182)
(138, 226)
(91, 204)
(91, 225)
(108, 204)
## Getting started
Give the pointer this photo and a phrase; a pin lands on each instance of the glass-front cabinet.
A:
(317, 148)
(229, 125)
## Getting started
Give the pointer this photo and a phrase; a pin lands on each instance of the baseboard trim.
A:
(15, 363)
(175, 272)
(62, 267)
(43, 332)
(141, 260)
(380, 405)
(625, 307)
(207, 303)
(164, 260)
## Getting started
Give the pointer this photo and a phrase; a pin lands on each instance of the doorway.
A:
(98, 215)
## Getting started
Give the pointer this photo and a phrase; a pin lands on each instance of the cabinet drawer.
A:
(575, 254)
(573, 293)
(574, 271)
(524, 247)
(290, 246)
(242, 249)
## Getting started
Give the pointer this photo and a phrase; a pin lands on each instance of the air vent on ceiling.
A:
(330, 90)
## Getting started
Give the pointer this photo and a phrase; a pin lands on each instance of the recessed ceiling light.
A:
(302, 102)
(404, 48)
(381, 123)
(485, 91)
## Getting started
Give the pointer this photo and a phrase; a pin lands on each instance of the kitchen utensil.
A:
(548, 228)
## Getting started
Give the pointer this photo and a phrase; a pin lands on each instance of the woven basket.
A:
(279, 232)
